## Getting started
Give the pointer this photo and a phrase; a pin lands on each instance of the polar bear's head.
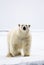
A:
(24, 28)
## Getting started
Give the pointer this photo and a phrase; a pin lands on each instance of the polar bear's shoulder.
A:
(12, 33)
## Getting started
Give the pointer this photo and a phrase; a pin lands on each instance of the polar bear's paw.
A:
(27, 54)
(9, 55)
(18, 54)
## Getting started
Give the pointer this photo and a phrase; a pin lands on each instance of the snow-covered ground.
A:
(37, 49)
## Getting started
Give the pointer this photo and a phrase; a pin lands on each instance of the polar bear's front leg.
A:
(16, 50)
(9, 51)
(26, 50)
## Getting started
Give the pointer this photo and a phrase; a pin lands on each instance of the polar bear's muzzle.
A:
(24, 28)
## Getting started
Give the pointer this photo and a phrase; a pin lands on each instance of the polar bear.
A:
(19, 39)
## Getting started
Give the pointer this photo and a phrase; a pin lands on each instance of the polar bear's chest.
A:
(21, 41)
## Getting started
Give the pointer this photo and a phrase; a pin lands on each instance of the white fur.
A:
(18, 40)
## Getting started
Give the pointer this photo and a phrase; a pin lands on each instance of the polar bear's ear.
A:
(19, 25)
(29, 25)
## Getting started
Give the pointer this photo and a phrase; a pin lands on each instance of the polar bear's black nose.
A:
(24, 28)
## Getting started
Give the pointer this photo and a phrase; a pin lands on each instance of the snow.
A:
(37, 49)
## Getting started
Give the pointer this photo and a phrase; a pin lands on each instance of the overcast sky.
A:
(13, 12)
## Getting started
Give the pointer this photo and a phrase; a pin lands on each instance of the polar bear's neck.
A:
(23, 35)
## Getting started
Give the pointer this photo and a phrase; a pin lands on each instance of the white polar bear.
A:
(19, 39)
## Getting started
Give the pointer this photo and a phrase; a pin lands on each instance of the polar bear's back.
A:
(10, 35)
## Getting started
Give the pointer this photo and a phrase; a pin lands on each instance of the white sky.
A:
(13, 12)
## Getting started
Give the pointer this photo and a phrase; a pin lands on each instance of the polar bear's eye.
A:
(26, 25)
(22, 25)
